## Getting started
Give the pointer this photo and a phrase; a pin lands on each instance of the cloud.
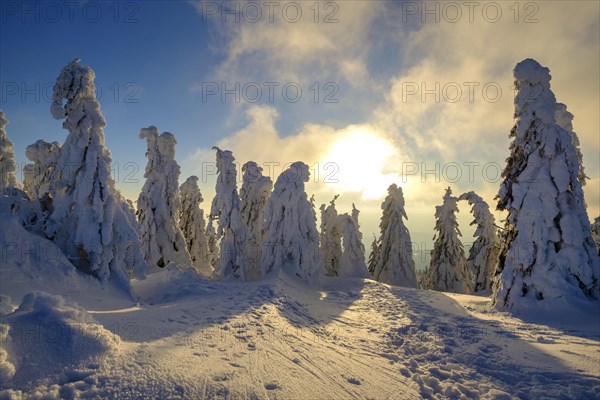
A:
(303, 41)
(353, 159)
(467, 65)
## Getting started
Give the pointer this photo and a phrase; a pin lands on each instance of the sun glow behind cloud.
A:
(361, 157)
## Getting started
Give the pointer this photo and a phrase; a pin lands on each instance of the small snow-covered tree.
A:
(231, 230)
(448, 268)
(193, 225)
(8, 166)
(548, 252)
(373, 257)
(292, 239)
(91, 222)
(331, 238)
(596, 232)
(159, 204)
(423, 278)
(255, 191)
(37, 176)
(213, 244)
(394, 263)
(352, 262)
(483, 255)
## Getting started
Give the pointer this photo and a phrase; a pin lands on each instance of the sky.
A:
(367, 93)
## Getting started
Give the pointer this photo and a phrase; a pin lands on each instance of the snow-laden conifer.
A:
(159, 204)
(291, 236)
(91, 222)
(448, 267)
(548, 252)
(393, 262)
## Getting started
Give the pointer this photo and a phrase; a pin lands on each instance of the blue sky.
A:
(155, 61)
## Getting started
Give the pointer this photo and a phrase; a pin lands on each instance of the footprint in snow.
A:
(220, 378)
(354, 381)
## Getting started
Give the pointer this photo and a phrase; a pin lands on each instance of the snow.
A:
(190, 337)
(193, 225)
(159, 204)
(530, 70)
(232, 230)
(37, 176)
(596, 232)
(548, 252)
(292, 239)
(90, 221)
(254, 194)
(483, 254)
(448, 267)
(331, 238)
(8, 165)
(393, 261)
(352, 263)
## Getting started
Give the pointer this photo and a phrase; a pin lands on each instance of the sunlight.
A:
(361, 158)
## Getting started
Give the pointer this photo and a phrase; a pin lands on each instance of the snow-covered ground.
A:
(275, 338)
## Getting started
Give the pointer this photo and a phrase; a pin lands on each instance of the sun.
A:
(358, 162)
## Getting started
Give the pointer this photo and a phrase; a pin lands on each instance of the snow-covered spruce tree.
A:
(292, 239)
(8, 166)
(548, 252)
(373, 257)
(596, 232)
(483, 255)
(255, 191)
(159, 204)
(331, 238)
(193, 225)
(231, 229)
(352, 262)
(37, 176)
(394, 262)
(213, 244)
(448, 268)
(91, 222)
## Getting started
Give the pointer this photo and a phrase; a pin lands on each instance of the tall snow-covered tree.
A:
(8, 166)
(193, 225)
(352, 262)
(483, 255)
(37, 176)
(232, 230)
(292, 239)
(91, 222)
(255, 191)
(394, 263)
(548, 252)
(331, 238)
(448, 267)
(159, 204)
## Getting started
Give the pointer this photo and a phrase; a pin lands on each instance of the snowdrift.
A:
(50, 339)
